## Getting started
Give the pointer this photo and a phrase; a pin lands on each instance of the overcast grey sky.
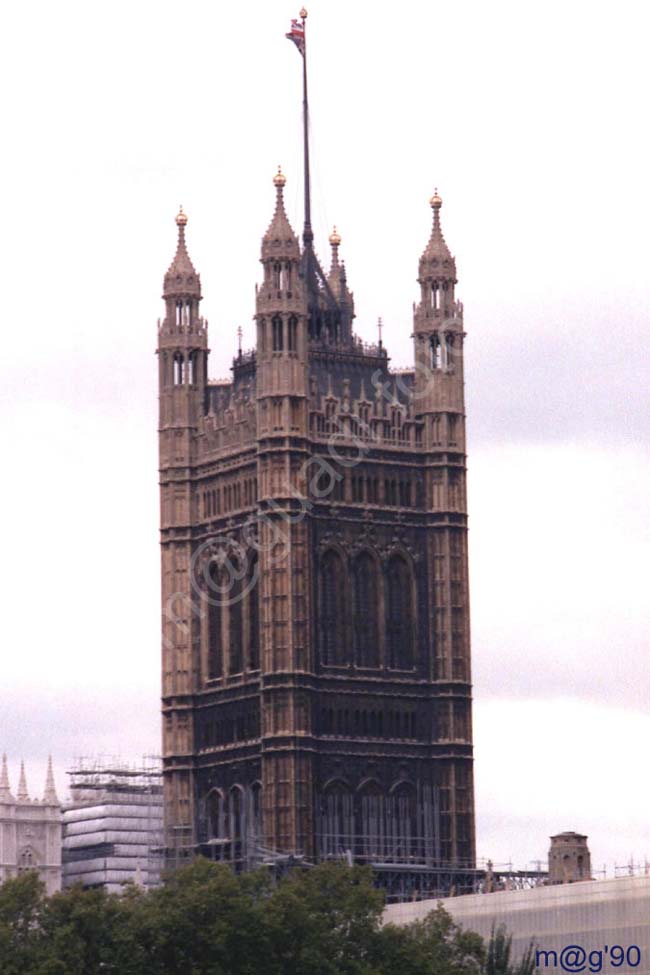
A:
(531, 119)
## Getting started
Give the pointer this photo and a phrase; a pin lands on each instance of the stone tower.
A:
(182, 382)
(315, 616)
(568, 859)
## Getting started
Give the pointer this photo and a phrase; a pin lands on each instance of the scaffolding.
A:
(113, 823)
(401, 878)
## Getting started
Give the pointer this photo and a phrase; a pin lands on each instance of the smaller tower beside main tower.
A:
(182, 375)
(285, 576)
(569, 859)
(182, 343)
(281, 327)
(438, 336)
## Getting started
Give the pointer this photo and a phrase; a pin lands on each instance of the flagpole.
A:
(307, 234)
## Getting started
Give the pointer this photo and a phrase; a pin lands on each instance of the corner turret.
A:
(438, 336)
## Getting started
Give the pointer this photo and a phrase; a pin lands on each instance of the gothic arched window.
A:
(332, 608)
(255, 813)
(292, 343)
(403, 837)
(276, 330)
(253, 589)
(215, 635)
(192, 368)
(449, 352)
(178, 369)
(365, 611)
(371, 822)
(399, 614)
(236, 821)
(235, 620)
(336, 820)
(27, 860)
(436, 351)
(217, 826)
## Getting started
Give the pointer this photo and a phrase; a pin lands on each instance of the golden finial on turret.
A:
(181, 218)
(279, 179)
(335, 238)
(436, 200)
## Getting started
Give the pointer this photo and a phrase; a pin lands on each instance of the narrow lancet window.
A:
(293, 334)
(365, 611)
(235, 620)
(332, 608)
(178, 369)
(253, 590)
(215, 634)
(436, 351)
(399, 614)
(276, 325)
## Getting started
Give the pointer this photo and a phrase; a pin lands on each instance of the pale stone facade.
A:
(30, 830)
(588, 915)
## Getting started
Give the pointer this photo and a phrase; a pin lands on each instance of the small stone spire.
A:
(181, 279)
(279, 239)
(335, 243)
(50, 796)
(5, 789)
(23, 795)
(337, 277)
(437, 257)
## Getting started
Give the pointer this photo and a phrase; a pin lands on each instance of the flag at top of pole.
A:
(297, 32)
(298, 35)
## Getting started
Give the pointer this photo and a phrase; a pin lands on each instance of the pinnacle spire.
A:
(337, 277)
(335, 243)
(5, 790)
(23, 795)
(181, 279)
(437, 258)
(50, 796)
(280, 240)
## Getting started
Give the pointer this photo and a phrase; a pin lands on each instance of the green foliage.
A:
(433, 946)
(497, 961)
(325, 921)
(80, 929)
(206, 920)
(21, 903)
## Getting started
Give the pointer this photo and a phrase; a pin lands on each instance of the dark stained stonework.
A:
(315, 611)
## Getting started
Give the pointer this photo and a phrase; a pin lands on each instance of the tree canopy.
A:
(206, 920)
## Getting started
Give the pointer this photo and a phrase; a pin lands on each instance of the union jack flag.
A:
(297, 35)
